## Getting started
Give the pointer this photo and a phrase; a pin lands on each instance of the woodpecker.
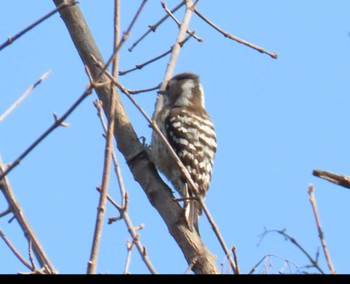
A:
(187, 126)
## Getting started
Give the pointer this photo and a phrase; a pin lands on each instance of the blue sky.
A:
(276, 121)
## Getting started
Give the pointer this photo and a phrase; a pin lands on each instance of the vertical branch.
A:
(123, 208)
(115, 66)
(27, 230)
(92, 263)
(319, 228)
(175, 53)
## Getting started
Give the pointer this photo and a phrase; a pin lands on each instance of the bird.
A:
(187, 126)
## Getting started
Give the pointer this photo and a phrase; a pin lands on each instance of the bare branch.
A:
(175, 53)
(129, 247)
(10, 40)
(15, 252)
(152, 28)
(338, 179)
(92, 263)
(191, 33)
(26, 93)
(258, 48)
(269, 256)
(319, 228)
(116, 41)
(58, 122)
(140, 66)
(22, 221)
(296, 243)
(123, 209)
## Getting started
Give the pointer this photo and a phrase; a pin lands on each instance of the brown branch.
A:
(10, 40)
(26, 93)
(296, 243)
(338, 179)
(152, 28)
(58, 122)
(22, 221)
(143, 170)
(218, 234)
(269, 256)
(140, 66)
(191, 33)
(92, 264)
(129, 247)
(134, 92)
(15, 252)
(319, 228)
(123, 208)
(258, 48)
(116, 41)
(174, 54)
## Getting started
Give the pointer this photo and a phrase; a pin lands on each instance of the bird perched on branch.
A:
(190, 132)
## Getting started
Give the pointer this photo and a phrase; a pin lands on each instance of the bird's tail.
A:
(192, 210)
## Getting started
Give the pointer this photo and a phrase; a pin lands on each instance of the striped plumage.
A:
(187, 126)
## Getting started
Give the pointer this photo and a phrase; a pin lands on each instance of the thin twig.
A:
(92, 263)
(10, 40)
(116, 41)
(273, 255)
(140, 66)
(129, 247)
(338, 179)
(30, 254)
(123, 209)
(58, 122)
(219, 236)
(134, 92)
(319, 228)
(190, 266)
(258, 48)
(15, 251)
(174, 54)
(235, 258)
(26, 93)
(152, 28)
(191, 33)
(296, 243)
(15, 207)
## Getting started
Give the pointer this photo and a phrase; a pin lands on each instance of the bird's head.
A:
(184, 89)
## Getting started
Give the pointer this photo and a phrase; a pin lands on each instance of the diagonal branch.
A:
(226, 34)
(319, 228)
(143, 170)
(152, 28)
(27, 29)
(22, 221)
(191, 33)
(26, 93)
(15, 251)
(338, 179)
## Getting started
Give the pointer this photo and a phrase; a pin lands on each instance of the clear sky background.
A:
(276, 121)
